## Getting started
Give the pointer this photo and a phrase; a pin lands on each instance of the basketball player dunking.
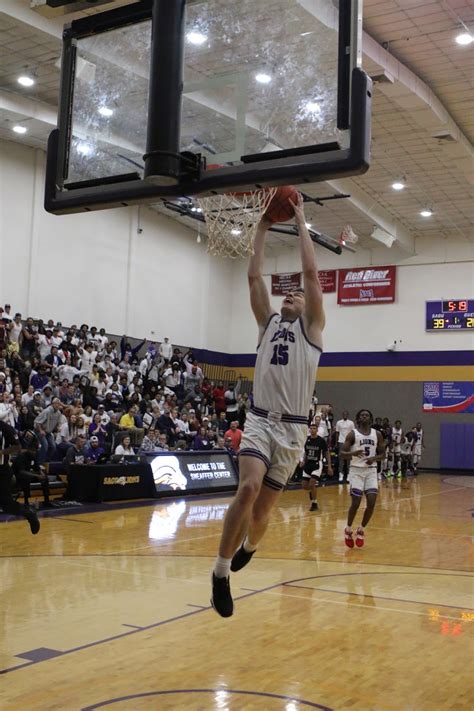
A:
(290, 344)
(365, 447)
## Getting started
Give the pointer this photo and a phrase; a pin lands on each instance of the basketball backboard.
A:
(220, 96)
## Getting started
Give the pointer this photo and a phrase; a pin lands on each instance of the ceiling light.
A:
(313, 107)
(20, 129)
(196, 37)
(25, 80)
(426, 212)
(398, 185)
(104, 111)
(85, 149)
(464, 38)
(236, 231)
(308, 225)
(263, 78)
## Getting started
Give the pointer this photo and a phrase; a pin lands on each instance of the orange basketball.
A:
(280, 208)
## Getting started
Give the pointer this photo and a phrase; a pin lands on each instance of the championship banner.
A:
(283, 283)
(448, 397)
(366, 285)
(193, 471)
(328, 280)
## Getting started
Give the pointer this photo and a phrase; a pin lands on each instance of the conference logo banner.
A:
(366, 285)
(283, 283)
(328, 280)
(448, 397)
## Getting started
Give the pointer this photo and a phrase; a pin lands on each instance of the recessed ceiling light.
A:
(196, 37)
(426, 212)
(398, 185)
(263, 78)
(104, 111)
(20, 129)
(236, 231)
(464, 38)
(313, 107)
(85, 149)
(25, 80)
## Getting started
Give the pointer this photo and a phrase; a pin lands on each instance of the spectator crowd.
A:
(86, 398)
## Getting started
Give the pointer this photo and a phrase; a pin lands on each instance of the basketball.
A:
(280, 208)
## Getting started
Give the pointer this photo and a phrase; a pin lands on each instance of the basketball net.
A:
(232, 220)
(348, 236)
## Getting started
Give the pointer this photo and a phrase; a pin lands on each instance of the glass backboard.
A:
(266, 86)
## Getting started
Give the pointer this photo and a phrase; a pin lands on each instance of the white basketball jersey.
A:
(285, 370)
(406, 446)
(396, 436)
(368, 443)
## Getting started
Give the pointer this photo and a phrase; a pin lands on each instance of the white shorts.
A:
(417, 450)
(363, 481)
(315, 474)
(277, 444)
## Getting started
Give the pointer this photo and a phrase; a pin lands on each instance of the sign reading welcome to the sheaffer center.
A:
(191, 471)
(366, 285)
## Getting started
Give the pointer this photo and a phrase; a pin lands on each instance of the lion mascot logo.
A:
(166, 472)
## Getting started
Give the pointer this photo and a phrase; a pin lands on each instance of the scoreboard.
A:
(451, 315)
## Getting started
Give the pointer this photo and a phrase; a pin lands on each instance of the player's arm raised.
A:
(314, 311)
(259, 298)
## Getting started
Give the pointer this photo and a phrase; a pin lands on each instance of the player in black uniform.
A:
(9, 444)
(26, 469)
(315, 450)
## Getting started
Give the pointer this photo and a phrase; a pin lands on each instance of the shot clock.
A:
(450, 315)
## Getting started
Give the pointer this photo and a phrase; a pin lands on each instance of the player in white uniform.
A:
(406, 456)
(418, 445)
(290, 344)
(397, 436)
(365, 447)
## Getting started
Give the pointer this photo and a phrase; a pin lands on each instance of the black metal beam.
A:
(162, 158)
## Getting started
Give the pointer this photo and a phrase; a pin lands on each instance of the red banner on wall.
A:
(366, 285)
(328, 280)
(283, 283)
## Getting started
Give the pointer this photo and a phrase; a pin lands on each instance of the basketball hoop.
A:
(232, 220)
(348, 236)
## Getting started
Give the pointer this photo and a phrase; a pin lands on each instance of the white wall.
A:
(96, 267)
(439, 270)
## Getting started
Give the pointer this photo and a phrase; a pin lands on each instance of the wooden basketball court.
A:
(111, 608)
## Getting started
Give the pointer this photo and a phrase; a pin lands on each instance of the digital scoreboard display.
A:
(450, 315)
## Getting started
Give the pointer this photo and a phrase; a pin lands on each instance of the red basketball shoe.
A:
(348, 538)
(360, 537)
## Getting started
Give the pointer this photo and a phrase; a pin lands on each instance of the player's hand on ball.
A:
(298, 208)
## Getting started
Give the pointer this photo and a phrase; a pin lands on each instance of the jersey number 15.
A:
(280, 355)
